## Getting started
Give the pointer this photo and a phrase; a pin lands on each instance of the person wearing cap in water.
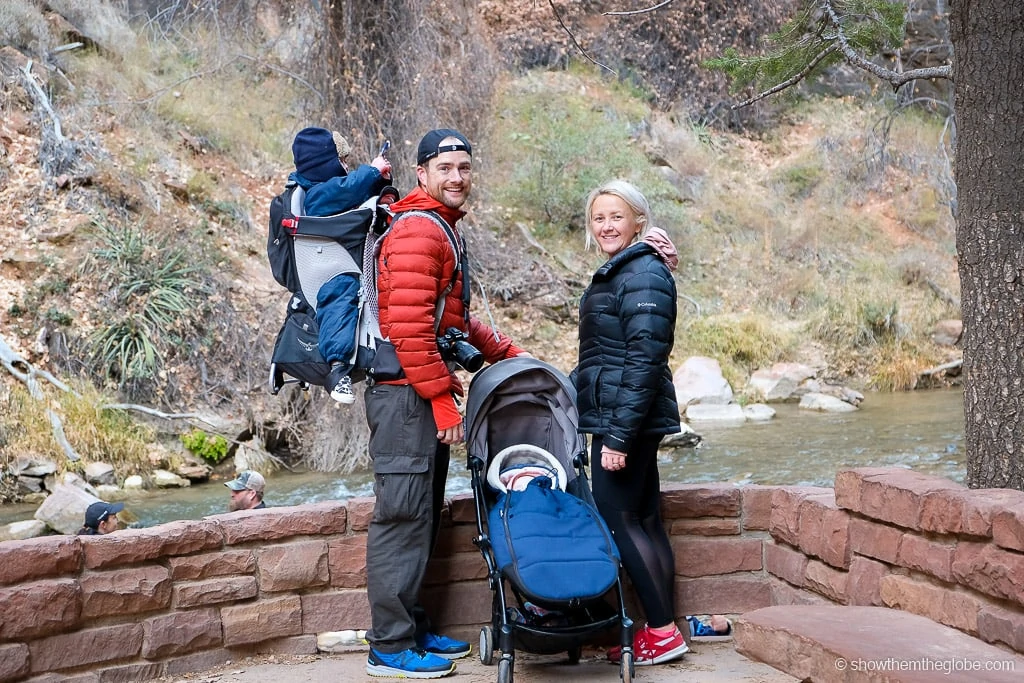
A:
(247, 491)
(422, 291)
(100, 518)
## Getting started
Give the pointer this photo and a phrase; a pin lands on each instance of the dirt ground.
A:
(705, 663)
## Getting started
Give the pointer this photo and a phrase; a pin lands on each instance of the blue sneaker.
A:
(409, 663)
(443, 646)
(702, 631)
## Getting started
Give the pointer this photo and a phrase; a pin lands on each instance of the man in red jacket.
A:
(422, 291)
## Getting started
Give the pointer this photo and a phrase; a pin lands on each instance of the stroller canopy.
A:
(523, 401)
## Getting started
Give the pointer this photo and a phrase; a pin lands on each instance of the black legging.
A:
(629, 500)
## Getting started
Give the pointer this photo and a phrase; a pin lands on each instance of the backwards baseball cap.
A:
(430, 145)
(248, 479)
(99, 512)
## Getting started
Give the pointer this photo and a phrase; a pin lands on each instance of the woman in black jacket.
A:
(627, 401)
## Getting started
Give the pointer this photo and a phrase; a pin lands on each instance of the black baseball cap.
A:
(99, 512)
(430, 145)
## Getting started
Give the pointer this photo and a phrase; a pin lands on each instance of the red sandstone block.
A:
(942, 511)
(930, 557)
(1008, 527)
(784, 594)
(346, 561)
(757, 506)
(292, 566)
(129, 673)
(784, 521)
(981, 507)
(697, 556)
(456, 539)
(274, 524)
(177, 633)
(87, 677)
(360, 513)
(13, 661)
(292, 645)
(722, 595)
(208, 565)
(41, 608)
(214, 591)
(939, 603)
(705, 526)
(826, 581)
(465, 602)
(138, 546)
(848, 485)
(128, 590)
(199, 661)
(876, 540)
(335, 611)
(262, 620)
(91, 646)
(1000, 625)
(39, 558)
(463, 509)
(865, 577)
(785, 563)
(895, 495)
(457, 567)
(989, 569)
(699, 500)
(824, 531)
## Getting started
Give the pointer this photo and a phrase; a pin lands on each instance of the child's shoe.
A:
(651, 648)
(705, 632)
(342, 391)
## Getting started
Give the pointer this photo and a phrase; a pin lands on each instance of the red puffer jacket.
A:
(416, 264)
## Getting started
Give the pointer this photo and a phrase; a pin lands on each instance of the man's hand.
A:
(451, 435)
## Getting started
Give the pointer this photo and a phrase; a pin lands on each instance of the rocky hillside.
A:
(133, 162)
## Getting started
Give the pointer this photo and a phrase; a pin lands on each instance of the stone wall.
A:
(186, 596)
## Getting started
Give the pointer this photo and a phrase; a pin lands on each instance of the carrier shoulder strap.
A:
(459, 249)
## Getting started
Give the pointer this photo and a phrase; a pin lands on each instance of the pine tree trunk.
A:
(988, 70)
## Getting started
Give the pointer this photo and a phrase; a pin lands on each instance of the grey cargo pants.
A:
(410, 467)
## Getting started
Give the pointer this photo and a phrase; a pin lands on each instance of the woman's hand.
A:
(612, 459)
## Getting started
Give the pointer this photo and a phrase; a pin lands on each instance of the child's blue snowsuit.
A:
(337, 302)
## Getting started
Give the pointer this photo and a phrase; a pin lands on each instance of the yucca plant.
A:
(156, 298)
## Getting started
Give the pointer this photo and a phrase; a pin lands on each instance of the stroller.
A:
(545, 545)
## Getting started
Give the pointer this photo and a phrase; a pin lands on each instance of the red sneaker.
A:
(651, 648)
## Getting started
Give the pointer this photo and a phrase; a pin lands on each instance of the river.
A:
(921, 430)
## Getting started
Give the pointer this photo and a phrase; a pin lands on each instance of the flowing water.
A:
(922, 430)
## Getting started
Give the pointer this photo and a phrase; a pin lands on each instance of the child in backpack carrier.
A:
(321, 169)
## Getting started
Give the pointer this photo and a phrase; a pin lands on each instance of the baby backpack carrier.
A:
(305, 252)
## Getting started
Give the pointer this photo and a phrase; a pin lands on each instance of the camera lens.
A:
(468, 357)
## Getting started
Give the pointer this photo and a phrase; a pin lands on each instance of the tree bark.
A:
(988, 75)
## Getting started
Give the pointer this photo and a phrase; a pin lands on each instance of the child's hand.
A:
(382, 165)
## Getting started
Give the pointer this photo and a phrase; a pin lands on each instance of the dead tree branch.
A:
(626, 13)
(575, 42)
(23, 371)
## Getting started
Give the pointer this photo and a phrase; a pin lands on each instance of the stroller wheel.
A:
(626, 668)
(505, 670)
(574, 654)
(486, 651)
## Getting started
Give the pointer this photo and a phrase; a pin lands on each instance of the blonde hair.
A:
(628, 193)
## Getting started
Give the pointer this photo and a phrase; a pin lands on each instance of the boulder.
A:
(825, 403)
(19, 531)
(162, 479)
(758, 412)
(699, 380)
(100, 473)
(701, 412)
(64, 509)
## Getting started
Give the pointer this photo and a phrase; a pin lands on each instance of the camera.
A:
(454, 347)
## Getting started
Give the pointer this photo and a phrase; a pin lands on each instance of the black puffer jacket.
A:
(627, 326)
